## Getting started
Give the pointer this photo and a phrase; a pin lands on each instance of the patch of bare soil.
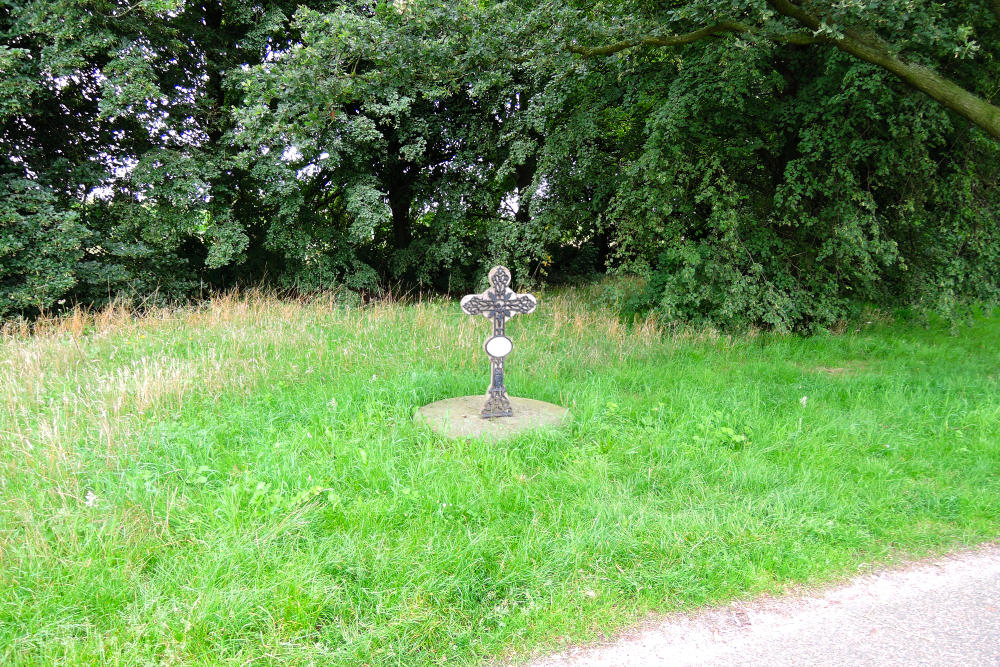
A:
(849, 368)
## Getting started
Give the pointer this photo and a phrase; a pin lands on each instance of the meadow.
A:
(241, 482)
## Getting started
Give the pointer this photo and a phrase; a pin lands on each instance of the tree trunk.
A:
(400, 201)
(524, 175)
(213, 86)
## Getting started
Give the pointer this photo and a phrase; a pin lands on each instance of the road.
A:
(935, 612)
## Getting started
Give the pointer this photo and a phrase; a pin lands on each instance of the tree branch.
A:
(721, 28)
(867, 47)
(652, 40)
(875, 51)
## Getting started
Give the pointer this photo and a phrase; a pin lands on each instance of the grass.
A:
(242, 482)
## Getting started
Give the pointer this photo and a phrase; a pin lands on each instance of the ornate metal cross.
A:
(499, 303)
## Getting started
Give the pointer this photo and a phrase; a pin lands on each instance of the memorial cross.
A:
(498, 303)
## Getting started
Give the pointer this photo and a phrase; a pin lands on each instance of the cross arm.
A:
(476, 305)
(522, 304)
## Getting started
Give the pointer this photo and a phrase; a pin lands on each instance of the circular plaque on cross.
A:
(499, 346)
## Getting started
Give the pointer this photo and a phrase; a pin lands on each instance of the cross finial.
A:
(499, 278)
(499, 303)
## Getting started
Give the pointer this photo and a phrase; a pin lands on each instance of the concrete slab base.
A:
(459, 417)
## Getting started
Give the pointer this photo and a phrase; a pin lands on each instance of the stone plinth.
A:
(460, 417)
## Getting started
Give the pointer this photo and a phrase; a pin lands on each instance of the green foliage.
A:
(40, 246)
(753, 177)
(762, 183)
(407, 146)
(779, 189)
(117, 111)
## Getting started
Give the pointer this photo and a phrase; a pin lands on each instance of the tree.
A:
(755, 177)
(410, 144)
(877, 32)
(114, 169)
(777, 184)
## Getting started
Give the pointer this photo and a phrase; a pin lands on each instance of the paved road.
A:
(942, 612)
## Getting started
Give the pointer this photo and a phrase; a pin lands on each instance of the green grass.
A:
(244, 482)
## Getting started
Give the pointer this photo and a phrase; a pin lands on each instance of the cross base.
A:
(497, 405)
(459, 418)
